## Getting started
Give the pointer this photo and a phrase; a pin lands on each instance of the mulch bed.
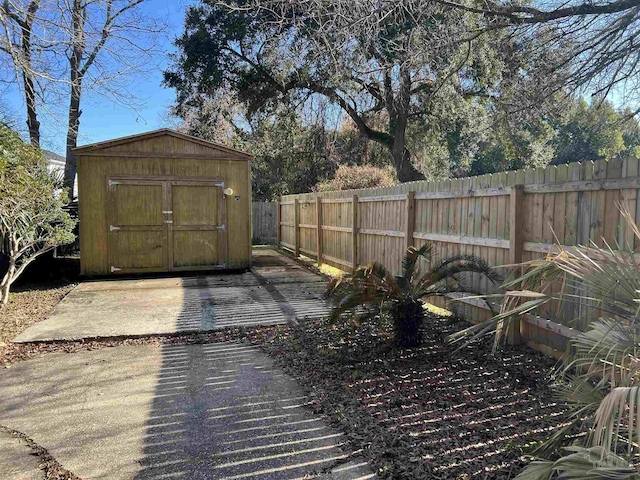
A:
(27, 305)
(429, 412)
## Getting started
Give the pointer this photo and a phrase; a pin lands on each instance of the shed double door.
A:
(160, 225)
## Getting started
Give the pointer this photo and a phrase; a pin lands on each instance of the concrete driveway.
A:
(207, 411)
(276, 290)
(214, 411)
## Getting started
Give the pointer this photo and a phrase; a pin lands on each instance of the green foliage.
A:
(32, 220)
(389, 68)
(473, 108)
(288, 157)
(511, 147)
(579, 132)
(600, 378)
(588, 132)
(354, 177)
(372, 292)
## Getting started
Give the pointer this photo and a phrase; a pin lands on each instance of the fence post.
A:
(278, 221)
(516, 245)
(319, 228)
(354, 232)
(411, 218)
(296, 227)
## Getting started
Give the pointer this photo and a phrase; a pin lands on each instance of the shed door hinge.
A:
(112, 228)
(221, 227)
(115, 269)
(112, 182)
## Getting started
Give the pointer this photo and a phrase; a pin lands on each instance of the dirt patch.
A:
(28, 305)
(428, 412)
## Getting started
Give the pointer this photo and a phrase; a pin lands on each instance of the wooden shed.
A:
(163, 201)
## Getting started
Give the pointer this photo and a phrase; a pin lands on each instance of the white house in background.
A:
(56, 162)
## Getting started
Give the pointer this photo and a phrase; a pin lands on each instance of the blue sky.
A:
(101, 119)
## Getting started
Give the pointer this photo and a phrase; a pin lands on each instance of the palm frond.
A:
(464, 263)
(594, 463)
(620, 407)
(371, 285)
(537, 470)
(411, 257)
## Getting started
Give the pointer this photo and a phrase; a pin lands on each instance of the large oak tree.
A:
(392, 59)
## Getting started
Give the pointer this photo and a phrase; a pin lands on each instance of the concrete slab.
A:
(17, 460)
(277, 290)
(215, 411)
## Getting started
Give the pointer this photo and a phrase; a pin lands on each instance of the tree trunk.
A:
(408, 317)
(398, 121)
(32, 116)
(70, 167)
(401, 156)
(7, 281)
(404, 168)
(4, 292)
(27, 78)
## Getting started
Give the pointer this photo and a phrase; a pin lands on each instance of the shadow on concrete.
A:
(275, 291)
(223, 411)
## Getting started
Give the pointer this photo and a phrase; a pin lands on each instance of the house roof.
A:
(53, 158)
(95, 147)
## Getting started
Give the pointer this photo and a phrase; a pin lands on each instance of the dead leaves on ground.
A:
(426, 412)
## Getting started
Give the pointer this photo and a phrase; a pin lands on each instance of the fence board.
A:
(567, 204)
(264, 223)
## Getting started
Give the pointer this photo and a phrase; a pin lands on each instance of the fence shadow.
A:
(223, 411)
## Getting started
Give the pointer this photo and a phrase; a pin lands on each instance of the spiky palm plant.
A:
(373, 291)
(600, 377)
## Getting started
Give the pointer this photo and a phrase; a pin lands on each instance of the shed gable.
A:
(162, 142)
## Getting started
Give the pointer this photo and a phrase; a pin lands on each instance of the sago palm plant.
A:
(600, 377)
(372, 291)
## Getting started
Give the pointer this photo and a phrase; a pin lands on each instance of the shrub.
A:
(372, 291)
(355, 177)
(32, 221)
(600, 378)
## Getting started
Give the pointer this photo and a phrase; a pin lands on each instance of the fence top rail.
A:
(553, 187)
(337, 200)
(585, 185)
(482, 192)
(383, 198)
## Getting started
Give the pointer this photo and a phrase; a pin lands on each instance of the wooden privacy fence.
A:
(264, 223)
(504, 218)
